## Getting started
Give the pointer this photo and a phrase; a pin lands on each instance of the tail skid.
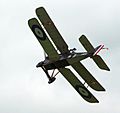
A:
(96, 58)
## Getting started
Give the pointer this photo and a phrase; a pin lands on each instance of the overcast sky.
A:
(24, 89)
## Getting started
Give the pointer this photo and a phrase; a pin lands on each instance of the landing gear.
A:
(52, 77)
(40, 64)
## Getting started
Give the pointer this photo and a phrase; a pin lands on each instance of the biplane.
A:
(59, 56)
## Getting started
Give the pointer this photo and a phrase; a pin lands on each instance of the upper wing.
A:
(52, 30)
(43, 39)
(79, 87)
(86, 75)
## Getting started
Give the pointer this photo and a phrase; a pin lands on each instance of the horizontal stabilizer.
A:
(101, 64)
(86, 44)
(90, 49)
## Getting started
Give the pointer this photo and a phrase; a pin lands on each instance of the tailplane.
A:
(94, 51)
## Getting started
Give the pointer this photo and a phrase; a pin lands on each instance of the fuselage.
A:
(63, 61)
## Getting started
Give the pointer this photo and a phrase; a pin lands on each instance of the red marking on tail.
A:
(98, 50)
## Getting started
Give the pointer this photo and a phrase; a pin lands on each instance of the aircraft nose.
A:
(40, 64)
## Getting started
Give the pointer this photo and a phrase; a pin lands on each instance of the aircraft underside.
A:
(67, 57)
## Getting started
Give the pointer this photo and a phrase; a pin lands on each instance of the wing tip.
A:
(30, 21)
(39, 8)
(96, 101)
(93, 101)
(100, 88)
(108, 69)
(82, 36)
(105, 68)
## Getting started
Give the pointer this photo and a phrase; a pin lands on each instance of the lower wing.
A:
(86, 75)
(77, 85)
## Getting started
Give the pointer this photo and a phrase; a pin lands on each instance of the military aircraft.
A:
(50, 39)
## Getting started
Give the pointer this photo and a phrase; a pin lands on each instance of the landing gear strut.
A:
(51, 78)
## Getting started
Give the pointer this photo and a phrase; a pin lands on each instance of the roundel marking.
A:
(39, 33)
(83, 92)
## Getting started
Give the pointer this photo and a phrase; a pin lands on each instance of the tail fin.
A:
(96, 58)
(97, 49)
